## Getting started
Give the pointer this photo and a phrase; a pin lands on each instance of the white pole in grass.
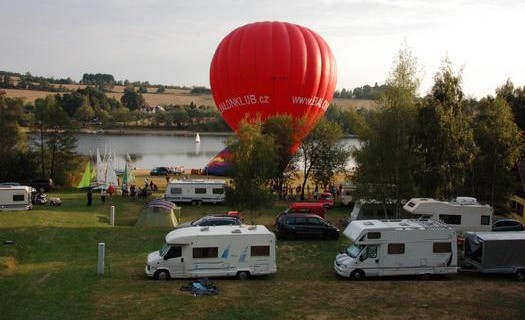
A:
(112, 216)
(101, 253)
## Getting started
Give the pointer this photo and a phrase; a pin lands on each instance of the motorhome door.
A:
(369, 260)
(175, 261)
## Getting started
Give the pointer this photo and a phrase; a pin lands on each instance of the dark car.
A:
(43, 184)
(159, 171)
(222, 220)
(303, 226)
(507, 225)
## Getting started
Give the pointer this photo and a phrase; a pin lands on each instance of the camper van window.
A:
(374, 235)
(174, 252)
(176, 190)
(371, 252)
(18, 197)
(450, 218)
(441, 247)
(485, 220)
(396, 248)
(164, 249)
(200, 190)
(217, 190)
(260, 251)
(208, 252)
(353, 250)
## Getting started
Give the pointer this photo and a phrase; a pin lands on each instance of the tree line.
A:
(441, 145)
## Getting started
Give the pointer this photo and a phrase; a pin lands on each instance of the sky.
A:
(172, 42)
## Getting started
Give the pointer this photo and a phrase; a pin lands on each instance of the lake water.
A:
(150, 151)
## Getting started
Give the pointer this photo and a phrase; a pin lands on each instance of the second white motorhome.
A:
(463, 213)
(397, 247)
(214, 251)
(195, 191)
(15, 198)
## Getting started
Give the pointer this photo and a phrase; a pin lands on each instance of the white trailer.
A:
(195, 191)
(15, 198)
(397, 247)
(463, 213)
(214, 251)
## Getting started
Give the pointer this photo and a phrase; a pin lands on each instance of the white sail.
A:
(197, 138)
(101, 170)
(111, 175)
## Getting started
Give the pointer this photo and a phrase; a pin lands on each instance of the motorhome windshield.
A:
(165, 248)
(353, 251)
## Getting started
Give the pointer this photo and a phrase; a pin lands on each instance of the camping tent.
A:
(158, 213)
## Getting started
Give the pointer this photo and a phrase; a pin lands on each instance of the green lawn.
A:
(50, 273)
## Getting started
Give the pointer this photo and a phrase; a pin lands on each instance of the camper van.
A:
(15, 198)
(463, 213)
(397, 247)
(496, 252)
(373, 209)
(347, 194)
(214, 251)
(195, 192)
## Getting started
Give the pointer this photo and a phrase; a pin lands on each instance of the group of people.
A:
(132, 191)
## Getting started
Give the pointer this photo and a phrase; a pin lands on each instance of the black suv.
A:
(301, 225)
(212, 221)
(45, 184)
(159, 171)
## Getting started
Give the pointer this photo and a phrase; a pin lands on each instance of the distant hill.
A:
(170, 96)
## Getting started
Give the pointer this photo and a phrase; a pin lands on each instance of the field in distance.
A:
(170, 96)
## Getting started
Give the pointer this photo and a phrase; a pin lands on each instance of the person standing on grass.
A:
(89, 197)
(103, 194)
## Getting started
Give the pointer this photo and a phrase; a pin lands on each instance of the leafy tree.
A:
(501, 143)
(445, 137)
(103, 81)
(131, 99)
(515, 97)
(85, 112)
(57, 143)
(161, 89)
(120, 114)
(386, 160)
(254, 162)
(322, 154)
(281, 129)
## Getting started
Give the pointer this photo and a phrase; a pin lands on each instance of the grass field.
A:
(50, 273)
(171, 96)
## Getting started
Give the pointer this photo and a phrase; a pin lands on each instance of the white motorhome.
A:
(15, 198)
(347, 194)
(463, 213)
(195, 191)
(397, 247)
(214, 251)
(373, 209)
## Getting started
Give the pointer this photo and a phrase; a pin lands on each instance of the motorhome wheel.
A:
(243, 275)
(162, 275)
(520, 275)
(357, 275)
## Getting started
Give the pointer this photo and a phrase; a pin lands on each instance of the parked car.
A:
(159, 171)
(327, 199)
(507, 225)
(306, 207)
(304, 225)
(210, 220)
(45, 184)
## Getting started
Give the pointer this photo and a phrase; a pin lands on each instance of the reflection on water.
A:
(148, 151)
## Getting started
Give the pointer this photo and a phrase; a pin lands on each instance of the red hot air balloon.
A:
(273, 68)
